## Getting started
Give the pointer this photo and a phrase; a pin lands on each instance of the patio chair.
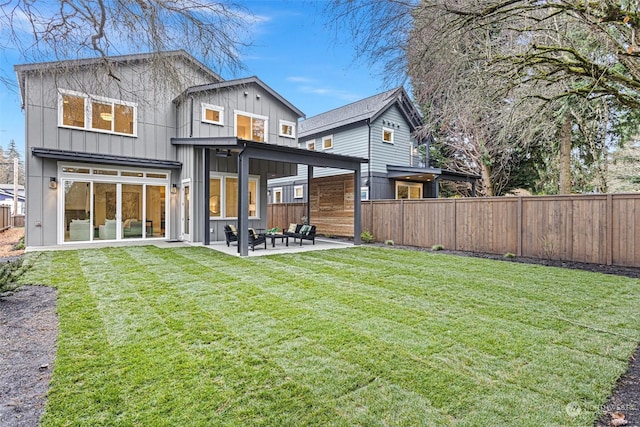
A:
(230, 234)
(256, 239)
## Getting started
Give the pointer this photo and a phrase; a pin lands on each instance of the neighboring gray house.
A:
(380, 128)
(7, 192)
(112, 160)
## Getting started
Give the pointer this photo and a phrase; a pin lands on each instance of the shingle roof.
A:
(368, 108)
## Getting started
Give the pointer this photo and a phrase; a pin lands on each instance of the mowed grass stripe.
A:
(363, 336)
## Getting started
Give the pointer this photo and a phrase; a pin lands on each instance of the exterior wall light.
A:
(53, 183)
(174, 188)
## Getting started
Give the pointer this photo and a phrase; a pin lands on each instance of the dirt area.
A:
(29, 329)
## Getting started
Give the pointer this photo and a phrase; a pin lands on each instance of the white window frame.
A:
(410, 185)
(311, 145)
(276, 190)
(364, 193)
(223, 194)
(324, 139)
(237, 113)
(386, 129)
(92, 178)
(282, 123)
(212, 107)
(296, 189)
(88, 112)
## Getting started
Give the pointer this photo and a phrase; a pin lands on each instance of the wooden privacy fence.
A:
(5, 217)
(600, 229)
(282, 214)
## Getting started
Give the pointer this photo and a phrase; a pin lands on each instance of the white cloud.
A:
(300, 79)
(341, 94)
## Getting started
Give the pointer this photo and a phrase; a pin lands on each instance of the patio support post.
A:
(309, 178)
(436, 187)
(473, 188)
(206, 163)
(243, 203)
(357, 208)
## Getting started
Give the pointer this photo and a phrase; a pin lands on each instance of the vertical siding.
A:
(398, 153)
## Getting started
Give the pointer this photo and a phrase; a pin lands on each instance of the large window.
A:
(408, 190)
(251, 127)
(223, 196)
(78, 110)
(112, 204)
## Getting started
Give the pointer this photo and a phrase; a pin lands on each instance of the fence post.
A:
(609, 230)
(455, 225)
(519, 220)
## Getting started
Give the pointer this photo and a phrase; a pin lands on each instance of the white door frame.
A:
(188, 209)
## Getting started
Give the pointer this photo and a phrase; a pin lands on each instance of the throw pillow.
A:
(233, 229)
(305, 229)
(253, 233)
(292, 228)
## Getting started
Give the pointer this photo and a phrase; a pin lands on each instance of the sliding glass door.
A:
(107, 205)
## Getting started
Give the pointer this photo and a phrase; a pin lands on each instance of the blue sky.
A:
(293, 52)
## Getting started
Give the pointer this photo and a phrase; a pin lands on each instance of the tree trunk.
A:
(565, 156)
(487, 184)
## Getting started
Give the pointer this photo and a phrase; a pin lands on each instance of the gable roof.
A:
(253, 80)
(22, 69)
(368, 108)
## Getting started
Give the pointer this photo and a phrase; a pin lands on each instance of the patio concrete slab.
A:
(280, 247)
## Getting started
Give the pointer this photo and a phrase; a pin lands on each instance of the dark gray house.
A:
(154, 155)
(380, 128)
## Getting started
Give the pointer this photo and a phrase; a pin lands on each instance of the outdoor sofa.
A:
(302, 232)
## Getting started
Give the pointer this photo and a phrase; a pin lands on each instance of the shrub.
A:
(367, 237)
(437, 247)
(20, 245)
(388, 242)
(9, 274)
(509, 255)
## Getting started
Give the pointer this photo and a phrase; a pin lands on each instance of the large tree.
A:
(69, 29)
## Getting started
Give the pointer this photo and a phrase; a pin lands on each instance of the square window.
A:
(287, 129)
(311, 145)
(73, 111)
(387, 135)
(327, 142)
(277, 195)
(298, 192)
(213, 114)
(101, 116)
(123, 119)
(251, 127)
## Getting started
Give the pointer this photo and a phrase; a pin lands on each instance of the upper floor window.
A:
(327, 142)
(251, 127)
(387, 135)
(212, 114)
(78, 110)
(311, 145)
(287, 129)
(298, 192)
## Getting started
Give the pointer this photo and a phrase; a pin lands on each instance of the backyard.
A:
(359, 336)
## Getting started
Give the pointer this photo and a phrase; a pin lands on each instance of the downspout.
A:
(369, 163)
(191, 117)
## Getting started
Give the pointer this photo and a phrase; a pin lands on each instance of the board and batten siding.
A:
(398, 153)
(257, 101)
(155, 126)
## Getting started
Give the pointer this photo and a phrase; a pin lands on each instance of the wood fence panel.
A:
(487, 225)
(589, 229)
(547, 227)
(387, 221)
(626, 230)
(428, 224)
(18, 220)
(5, 217)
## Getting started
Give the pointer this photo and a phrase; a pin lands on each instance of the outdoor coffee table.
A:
(274, 236)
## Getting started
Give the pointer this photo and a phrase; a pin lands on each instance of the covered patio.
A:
(249, 150)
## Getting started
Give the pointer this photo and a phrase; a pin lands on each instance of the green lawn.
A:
(360, 336)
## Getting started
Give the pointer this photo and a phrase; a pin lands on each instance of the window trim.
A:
(223, 194)
(410, 185)
(88, 112)
(295, 191)
(391, 131)
(287, 123)
(364, 193)
(277, 190)
(212, 107)
(236, 113)
(324, 139)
